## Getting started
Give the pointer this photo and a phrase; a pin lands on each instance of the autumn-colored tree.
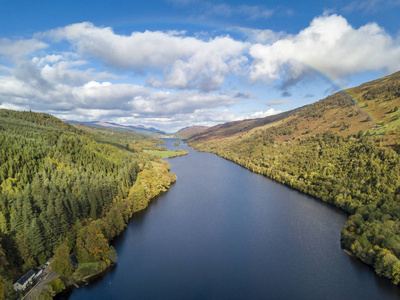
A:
(57, 285)
(91, 244)
(53, 179)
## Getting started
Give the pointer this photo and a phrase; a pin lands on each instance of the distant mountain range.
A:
(139, 128)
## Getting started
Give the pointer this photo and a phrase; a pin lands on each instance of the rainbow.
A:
(342, 90)
(215, 26)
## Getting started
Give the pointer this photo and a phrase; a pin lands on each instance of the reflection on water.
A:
(222, 232)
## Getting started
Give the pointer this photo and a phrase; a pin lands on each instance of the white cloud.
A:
(28, 85)
(20, 48)
(138, 51)
(170, 112)
(12, 106)
(258, 114)
(207, 68)
(262, 36)
(175, 79)
(329, 45)
(65, 71)
(186, 62)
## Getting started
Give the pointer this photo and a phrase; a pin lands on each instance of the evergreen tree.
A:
(35, 238)
(3, 223)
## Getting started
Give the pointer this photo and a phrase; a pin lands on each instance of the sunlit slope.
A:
(343, 150)
(370, 108)
(187, 132)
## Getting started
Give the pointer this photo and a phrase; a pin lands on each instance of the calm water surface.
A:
(222, 232)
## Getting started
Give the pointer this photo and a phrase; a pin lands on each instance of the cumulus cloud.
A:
(201, 110)
(186, 62)
(329, 45)
(67, 85)
(17, 49)
(258, 114)
(262, 36)
(179, 80)
(207, 68)
(13, 106)
(27, 86)
(138, 51)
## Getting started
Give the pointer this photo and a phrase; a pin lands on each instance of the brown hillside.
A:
(367, 109)
(189, 131)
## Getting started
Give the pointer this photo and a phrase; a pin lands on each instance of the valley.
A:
(341, 150)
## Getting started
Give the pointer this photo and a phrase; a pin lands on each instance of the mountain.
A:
(343, 150)
(370, 106)
(187, 132)
(139, 128)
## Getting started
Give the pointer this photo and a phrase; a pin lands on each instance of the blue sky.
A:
(176, 63)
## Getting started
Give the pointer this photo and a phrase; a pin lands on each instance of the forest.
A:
(68, 190)
(335, 151)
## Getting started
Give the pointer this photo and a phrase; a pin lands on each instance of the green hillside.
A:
(63, 187)
(342, 150)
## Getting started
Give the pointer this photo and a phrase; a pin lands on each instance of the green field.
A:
(166, 154)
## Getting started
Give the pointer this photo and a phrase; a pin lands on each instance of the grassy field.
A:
(166, 154)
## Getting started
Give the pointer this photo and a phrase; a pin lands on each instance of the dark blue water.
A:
(222, 232)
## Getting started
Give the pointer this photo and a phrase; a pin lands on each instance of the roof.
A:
(26, 277)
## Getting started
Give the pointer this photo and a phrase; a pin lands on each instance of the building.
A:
(38, 274)
(26, 279)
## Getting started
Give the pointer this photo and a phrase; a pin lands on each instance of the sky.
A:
(170, 64)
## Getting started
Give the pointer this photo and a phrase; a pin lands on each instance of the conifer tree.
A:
(3, 223)
(35, 238)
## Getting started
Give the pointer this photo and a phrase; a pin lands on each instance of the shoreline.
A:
(139, 207)
(288, 183)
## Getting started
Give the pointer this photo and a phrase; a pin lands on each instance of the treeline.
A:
(89, 239)
(353, 173)
(58, 182)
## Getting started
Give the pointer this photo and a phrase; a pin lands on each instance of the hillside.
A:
(342, 150)
(187, 132)
(369, 107)
(68, 190)
(139, 128)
